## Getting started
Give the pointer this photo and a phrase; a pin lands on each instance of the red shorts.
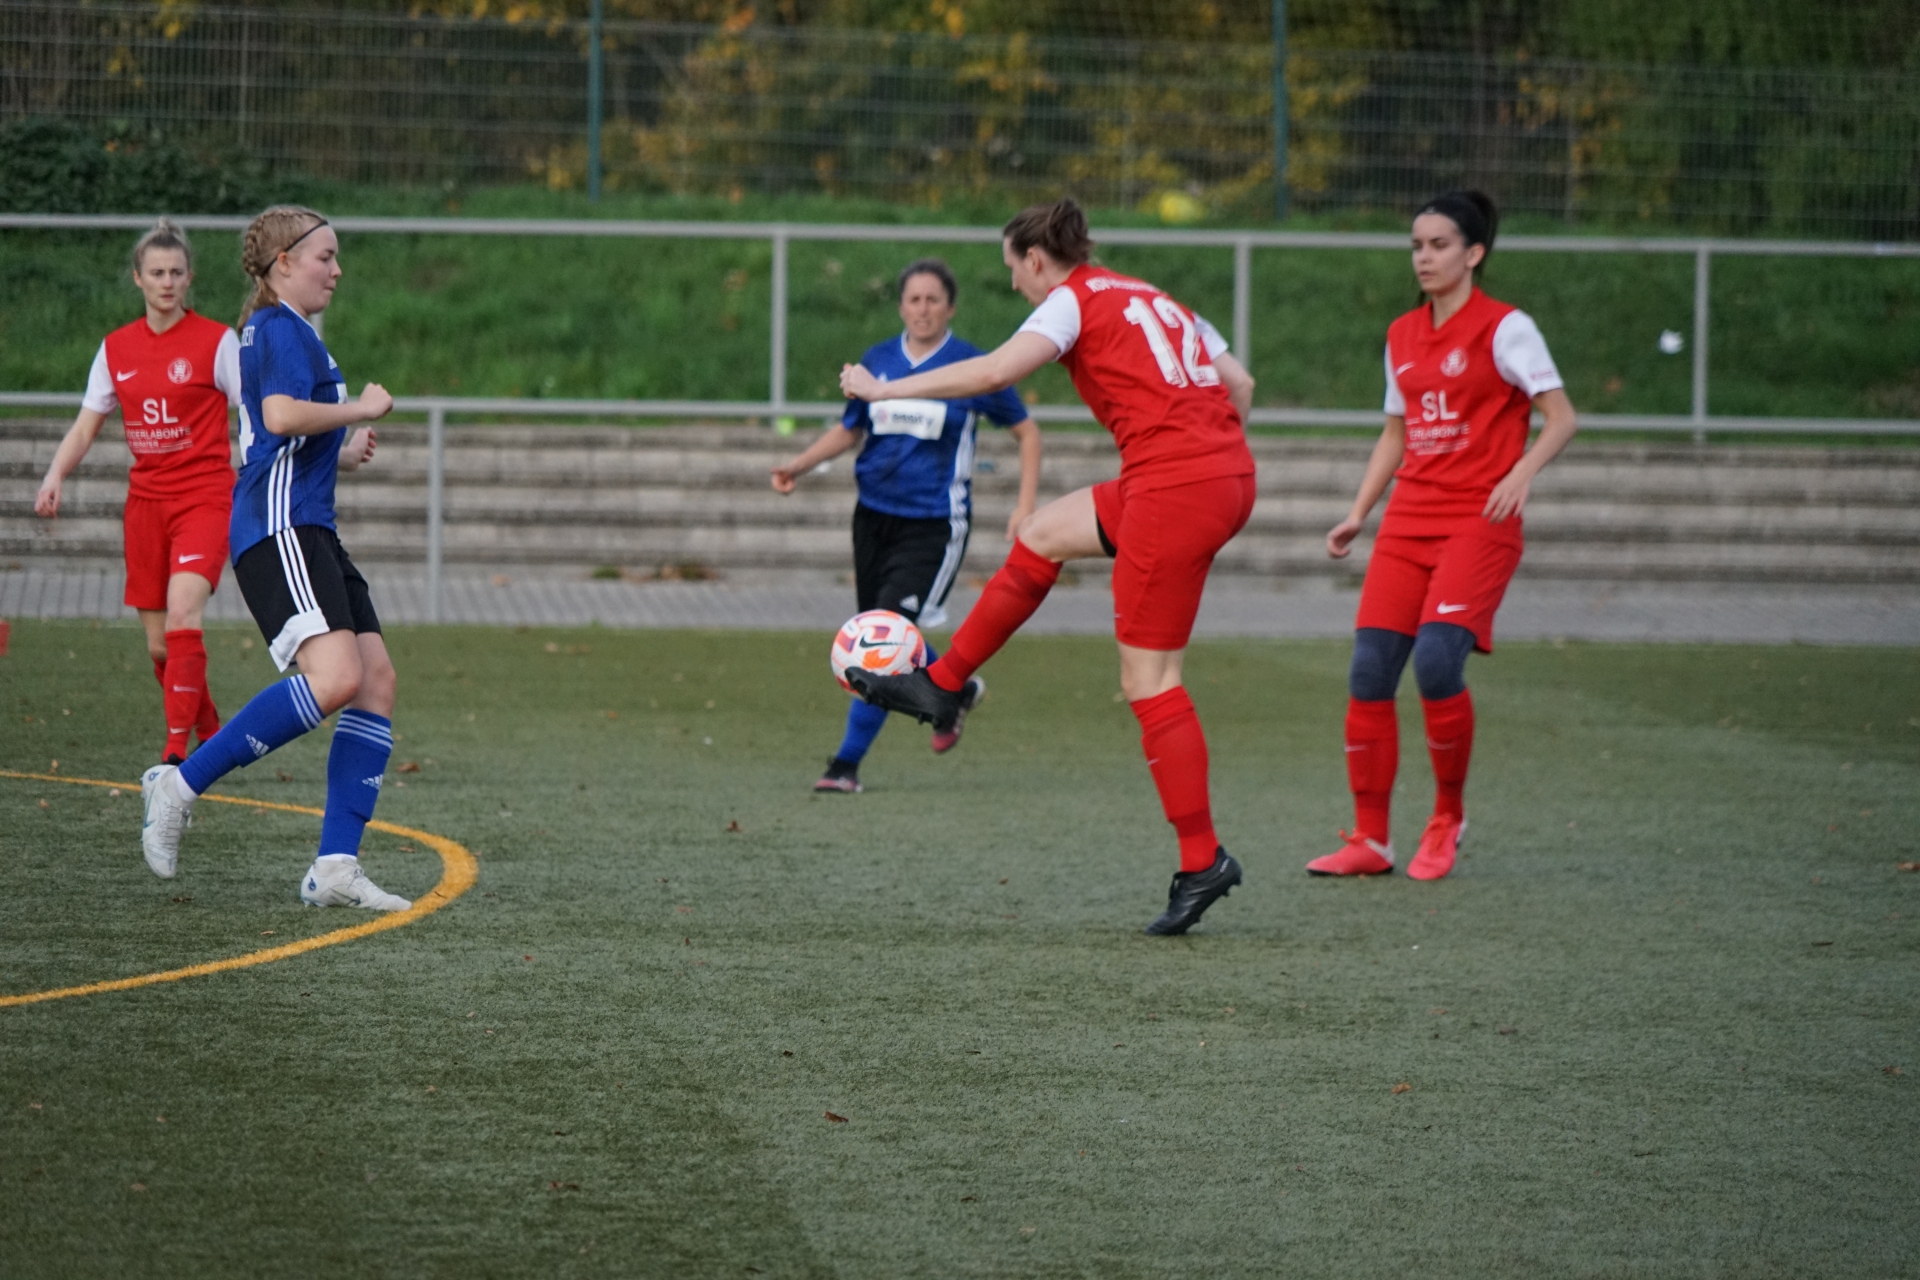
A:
(1459, 579)
(165, 536)
(1163, 542)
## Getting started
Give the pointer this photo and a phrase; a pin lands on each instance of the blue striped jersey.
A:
(285, 481)
(918, 459)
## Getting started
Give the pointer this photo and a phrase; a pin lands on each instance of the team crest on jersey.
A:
(1456, 362)
(180, 371)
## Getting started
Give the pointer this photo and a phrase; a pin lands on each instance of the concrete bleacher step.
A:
(578, 497)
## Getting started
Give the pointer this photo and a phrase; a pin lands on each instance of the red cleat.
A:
(1359, 857)
(1439, 845)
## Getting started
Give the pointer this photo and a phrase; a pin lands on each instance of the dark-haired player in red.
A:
(172, 375)
(1464, 374)
(1161, 381)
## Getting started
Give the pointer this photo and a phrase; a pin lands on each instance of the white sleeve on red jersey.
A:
(1396, 405)
(1521, 355)
(226, 367)
(1057, 320)
(100, 397)
(1216, 343)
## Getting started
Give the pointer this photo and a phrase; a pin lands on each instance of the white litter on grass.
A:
(1671, 343)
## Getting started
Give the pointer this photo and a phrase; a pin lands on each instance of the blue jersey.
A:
(918, 460)
(285, 481)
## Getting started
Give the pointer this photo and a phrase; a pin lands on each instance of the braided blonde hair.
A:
(267, 237)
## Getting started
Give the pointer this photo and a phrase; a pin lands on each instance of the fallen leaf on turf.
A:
(1823, 944)
(45, 805)
(1122, 1046)
(526, 957)
(159, 1119)
(433, 1088)
(965, 1199)
(113, 793)
(1403, 1087)
(563, 1186)
(1027, 1231)
(53, 766)
(559, 1133)
(1436, 1012)
(33, 1106)
(266, 933)
(408, 766)
(139, 1186)
(1892, 1071)
(734, 826)
(685, 911)
(786, 1053)
(1003, 879)
(188, 899)
(283, 775)
(1906, 866)
(834, 1118)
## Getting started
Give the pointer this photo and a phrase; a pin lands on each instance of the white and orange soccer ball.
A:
(878, 641)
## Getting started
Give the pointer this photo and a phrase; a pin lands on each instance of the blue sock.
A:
(277, 715)
(864, 723)
(362, 742)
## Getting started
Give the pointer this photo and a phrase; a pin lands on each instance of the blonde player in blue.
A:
(915, 475)
(298, 429)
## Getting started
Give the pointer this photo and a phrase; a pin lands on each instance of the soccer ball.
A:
(879, 641)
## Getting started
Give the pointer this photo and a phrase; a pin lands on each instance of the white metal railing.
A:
(437, 409)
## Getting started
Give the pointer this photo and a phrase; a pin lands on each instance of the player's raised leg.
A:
(1064, 529)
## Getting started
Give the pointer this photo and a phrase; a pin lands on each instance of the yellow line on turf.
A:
(458, 871)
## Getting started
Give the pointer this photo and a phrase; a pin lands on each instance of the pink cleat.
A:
(1439, 845)
(1358, 857)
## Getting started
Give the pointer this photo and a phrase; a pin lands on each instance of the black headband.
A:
(296, 240)
(1466, 215)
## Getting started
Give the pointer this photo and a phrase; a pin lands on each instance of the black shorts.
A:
(907, 565)
(299, 584)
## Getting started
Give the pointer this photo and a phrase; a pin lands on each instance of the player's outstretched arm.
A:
(79, 438)
(833, 442)
(285, 416)
(1387, 452)
(1239, 384)
(1000, 368)
(1509, 497)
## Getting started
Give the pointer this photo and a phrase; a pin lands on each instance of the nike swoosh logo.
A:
(122, 377)
(1449, 608)
(196, 556)
(1351, 749)
(1403, 368)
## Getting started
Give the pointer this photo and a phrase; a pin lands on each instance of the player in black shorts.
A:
(915, 474)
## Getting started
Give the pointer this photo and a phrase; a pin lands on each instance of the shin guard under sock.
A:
(1009, 599)
(362, 742)
(276, 716)
(1177, 754)
(1373, 758)
(1450, 745)
(183, 685)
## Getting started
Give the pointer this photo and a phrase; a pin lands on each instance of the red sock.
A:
(1177, 755)
(160, 672)
(1009, 600)
(1373, 758)
(186, 684)
(1450, 744)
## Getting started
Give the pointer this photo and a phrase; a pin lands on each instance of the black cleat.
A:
(945, 740)
(175, 759)
(913, 694)
(1193, 892)
(840, 777)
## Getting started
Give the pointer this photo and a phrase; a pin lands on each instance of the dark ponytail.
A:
(1058, 229)
(1473, 212)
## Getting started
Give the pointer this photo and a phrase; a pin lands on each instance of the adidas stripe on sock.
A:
(276, 716)
(356, 766)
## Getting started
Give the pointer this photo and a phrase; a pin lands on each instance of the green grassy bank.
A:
(619, 318)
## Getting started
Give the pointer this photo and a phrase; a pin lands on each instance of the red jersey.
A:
(173, 389)
(1144, 364)
(1466, 391)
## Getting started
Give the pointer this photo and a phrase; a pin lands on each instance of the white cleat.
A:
(336, 880)
(166, 816)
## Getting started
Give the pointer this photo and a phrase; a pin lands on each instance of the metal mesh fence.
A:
(928, 118)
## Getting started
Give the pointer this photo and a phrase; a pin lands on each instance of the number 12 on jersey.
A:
(1181, 369)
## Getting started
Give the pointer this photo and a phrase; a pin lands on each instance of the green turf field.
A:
(455, 315)
(1664, 1021)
